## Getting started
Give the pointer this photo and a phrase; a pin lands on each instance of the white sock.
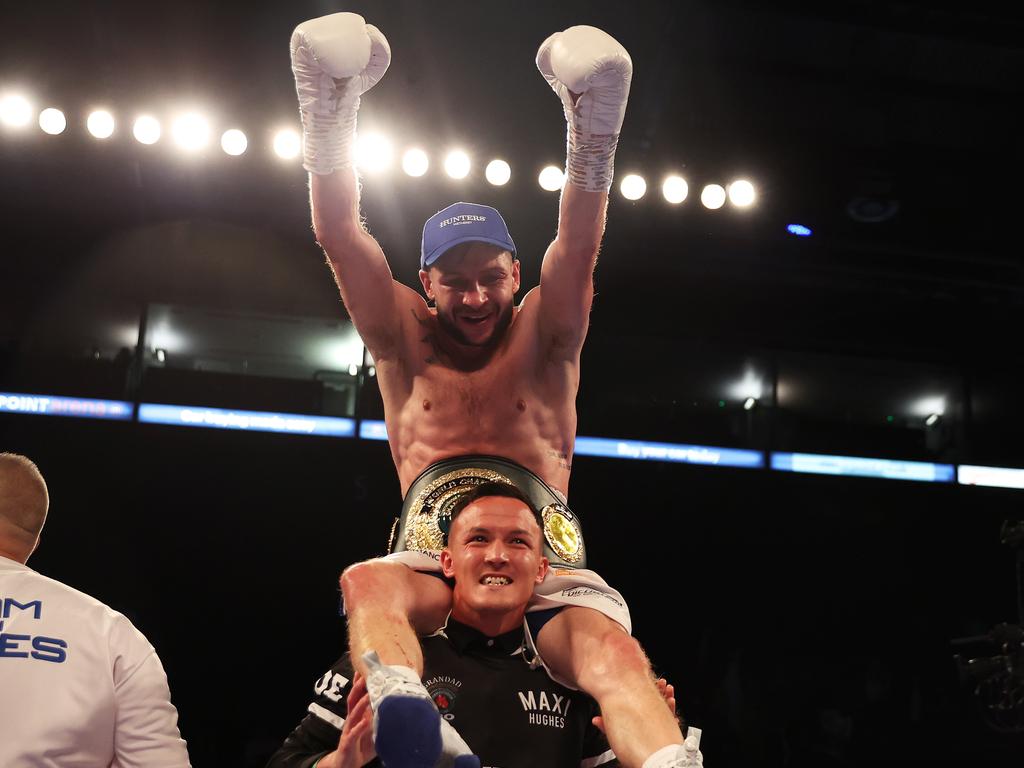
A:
(384, 679)
(452, 745)
(685, 755)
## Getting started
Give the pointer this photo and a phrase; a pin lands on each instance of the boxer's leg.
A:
(588, 649)
(388, 605)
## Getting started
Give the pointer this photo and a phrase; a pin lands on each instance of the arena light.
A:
(742, 193)
(498, 172)
(749, 403)
(928, 406)
(457, 164)
(932, 420)
(287, 144)
(52, 121)
(799, 230)
(551, 178)
(674, 189)
(374, 153)
(191, 132)
(146, 129)
(633, 187)
(100, 124)
(164, 336)
(15, 111)
(233, 142)
(713, 196)
(415, 162)
(751, 386)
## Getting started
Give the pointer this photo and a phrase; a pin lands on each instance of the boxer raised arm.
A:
(335, 59)
(578, 61)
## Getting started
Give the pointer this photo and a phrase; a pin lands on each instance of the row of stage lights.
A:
(374, 153)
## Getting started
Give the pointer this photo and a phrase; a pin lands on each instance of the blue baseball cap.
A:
(463, 223)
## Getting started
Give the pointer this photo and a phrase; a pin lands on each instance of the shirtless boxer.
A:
(474, 377)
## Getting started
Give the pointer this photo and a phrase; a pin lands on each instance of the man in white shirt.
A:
(79, 685)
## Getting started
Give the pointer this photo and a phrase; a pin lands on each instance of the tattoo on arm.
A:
(429, 339)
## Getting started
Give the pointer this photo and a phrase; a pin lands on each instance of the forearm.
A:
(334, 201)
(581, 221)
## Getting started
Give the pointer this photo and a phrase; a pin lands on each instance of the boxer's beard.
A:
(501, 324)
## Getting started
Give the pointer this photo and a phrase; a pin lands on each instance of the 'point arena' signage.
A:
(52, 405)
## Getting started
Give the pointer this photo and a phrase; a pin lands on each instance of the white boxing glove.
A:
(335, 59)
(590, 71)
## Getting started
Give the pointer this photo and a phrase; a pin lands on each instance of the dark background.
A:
(804, 620)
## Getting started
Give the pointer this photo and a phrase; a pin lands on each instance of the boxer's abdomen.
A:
(490, 412)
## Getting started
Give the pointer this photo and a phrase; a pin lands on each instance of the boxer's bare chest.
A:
(506, 405)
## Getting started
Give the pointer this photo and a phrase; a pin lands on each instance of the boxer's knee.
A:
(622, 652)
(593, 651)
(371, 579)
(384, 587)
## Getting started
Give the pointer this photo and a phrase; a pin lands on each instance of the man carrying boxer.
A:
(477, 390)
(477, 666)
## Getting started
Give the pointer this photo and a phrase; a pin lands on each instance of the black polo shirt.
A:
(511, 715)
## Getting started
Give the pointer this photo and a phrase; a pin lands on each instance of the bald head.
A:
(23, 504)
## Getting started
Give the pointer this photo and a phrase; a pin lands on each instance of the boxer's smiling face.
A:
(474, 286)
(494, 555)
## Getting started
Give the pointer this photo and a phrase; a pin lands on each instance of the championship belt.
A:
(426, 512)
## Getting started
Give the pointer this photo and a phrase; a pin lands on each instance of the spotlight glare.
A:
(15, 111)
(675, 189)
(191, 132)
(52, 121)
(146, 130)
(287, 144)
(931, 420)
(415, 162)
(633, 187)
(934, 405)
(233, 142)
(353, 369)
(749, 404)
(100, 124)
(457, 164)
(551, 178)
(374, 153)
(498, 172)
(713, 196)
(741, 193)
